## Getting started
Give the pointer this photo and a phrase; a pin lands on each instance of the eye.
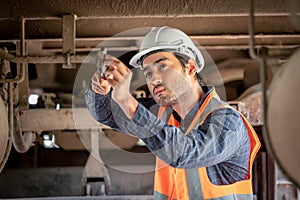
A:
(148, 75)
(162, 66)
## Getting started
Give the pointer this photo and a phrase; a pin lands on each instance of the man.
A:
(204, 148)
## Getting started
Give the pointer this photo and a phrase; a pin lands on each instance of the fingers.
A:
(116, 65)
(100, 85)
(115, 71)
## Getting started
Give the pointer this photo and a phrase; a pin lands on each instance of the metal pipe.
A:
(10, 108)
(23, 60)
(263, 76)
(22, 43)
(251, 33)
(21, 75)
(204, 39)
(194, 15)
(23, 86)
(6, 56)
(263, 70)
(58, 59)
(22, 142)
(10, 119)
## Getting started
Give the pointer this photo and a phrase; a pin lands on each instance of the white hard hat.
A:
(167, 39)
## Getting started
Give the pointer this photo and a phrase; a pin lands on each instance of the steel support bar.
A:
(271, 193)
(260, 39)
(22, 141)
(21, 74)
(38, 120)
(68, 42)
(40, 60)
(23, 86)
(45, 59)
(96, 178)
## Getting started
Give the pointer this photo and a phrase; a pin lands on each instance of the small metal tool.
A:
(101, 67)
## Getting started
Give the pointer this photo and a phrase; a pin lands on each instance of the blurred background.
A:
(51, 147)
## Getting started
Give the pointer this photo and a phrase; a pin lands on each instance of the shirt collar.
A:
(190, 116)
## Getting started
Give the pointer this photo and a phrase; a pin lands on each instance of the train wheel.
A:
(5, 137)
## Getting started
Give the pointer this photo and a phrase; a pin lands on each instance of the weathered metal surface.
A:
(250, 105)
(39, 120)
(21, 141)
(282, 121)
(69, 140)
(208, 41)
(23, 86)
(5, 139)
(135, 7)
(43, 59)
(96, 179)
(69, 34)
(111, 17)
(81, 140)
(285, 188)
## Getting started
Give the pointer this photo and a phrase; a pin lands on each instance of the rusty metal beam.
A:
(94, 8)
(68, 39)
(109, 17)
(44, 59)
(208, 42)
(38, 120)
(203, 40)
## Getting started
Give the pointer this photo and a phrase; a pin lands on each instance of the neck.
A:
(189, 100)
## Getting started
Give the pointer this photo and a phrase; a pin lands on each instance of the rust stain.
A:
(67, 112)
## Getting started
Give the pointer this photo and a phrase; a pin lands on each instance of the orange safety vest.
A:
(194, 184)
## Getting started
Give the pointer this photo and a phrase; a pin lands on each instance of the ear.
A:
(191, 67)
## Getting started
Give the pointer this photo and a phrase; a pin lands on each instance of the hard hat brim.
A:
(136, 60)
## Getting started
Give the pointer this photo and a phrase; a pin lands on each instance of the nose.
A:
(156, 79)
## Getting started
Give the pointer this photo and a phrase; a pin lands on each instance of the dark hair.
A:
(183, 59)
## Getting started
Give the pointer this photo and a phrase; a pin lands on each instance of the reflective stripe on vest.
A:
(176, 183)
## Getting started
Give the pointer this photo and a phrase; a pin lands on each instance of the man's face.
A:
(167, 81)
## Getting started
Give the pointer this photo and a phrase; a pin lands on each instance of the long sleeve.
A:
(100, 107)
(221, 143)
(106, 111)
(216, 140)
(221, 135)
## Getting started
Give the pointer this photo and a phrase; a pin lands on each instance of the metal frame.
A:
(69, 35)
(51, 119)
(263, 57)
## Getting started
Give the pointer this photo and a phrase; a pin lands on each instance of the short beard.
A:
(167, 101)
(171, 98)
